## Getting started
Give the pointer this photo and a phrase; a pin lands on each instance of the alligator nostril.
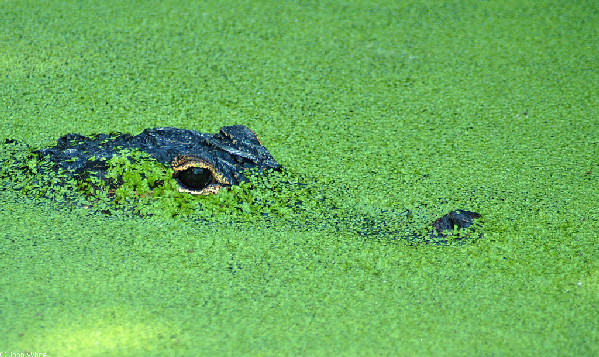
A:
(195, 177)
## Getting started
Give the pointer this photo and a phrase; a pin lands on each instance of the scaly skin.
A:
(217, 160)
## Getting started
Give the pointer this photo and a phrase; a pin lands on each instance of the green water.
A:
(490, 106)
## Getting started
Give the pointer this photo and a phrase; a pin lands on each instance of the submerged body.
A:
(202, 164)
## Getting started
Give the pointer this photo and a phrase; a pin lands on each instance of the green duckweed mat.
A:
(428, 106)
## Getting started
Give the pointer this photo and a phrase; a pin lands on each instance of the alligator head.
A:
(202, 163)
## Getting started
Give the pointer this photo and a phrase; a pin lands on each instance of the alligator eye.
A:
(198, 176)
(195, 177)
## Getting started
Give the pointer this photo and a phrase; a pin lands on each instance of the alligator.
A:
(202, 164)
